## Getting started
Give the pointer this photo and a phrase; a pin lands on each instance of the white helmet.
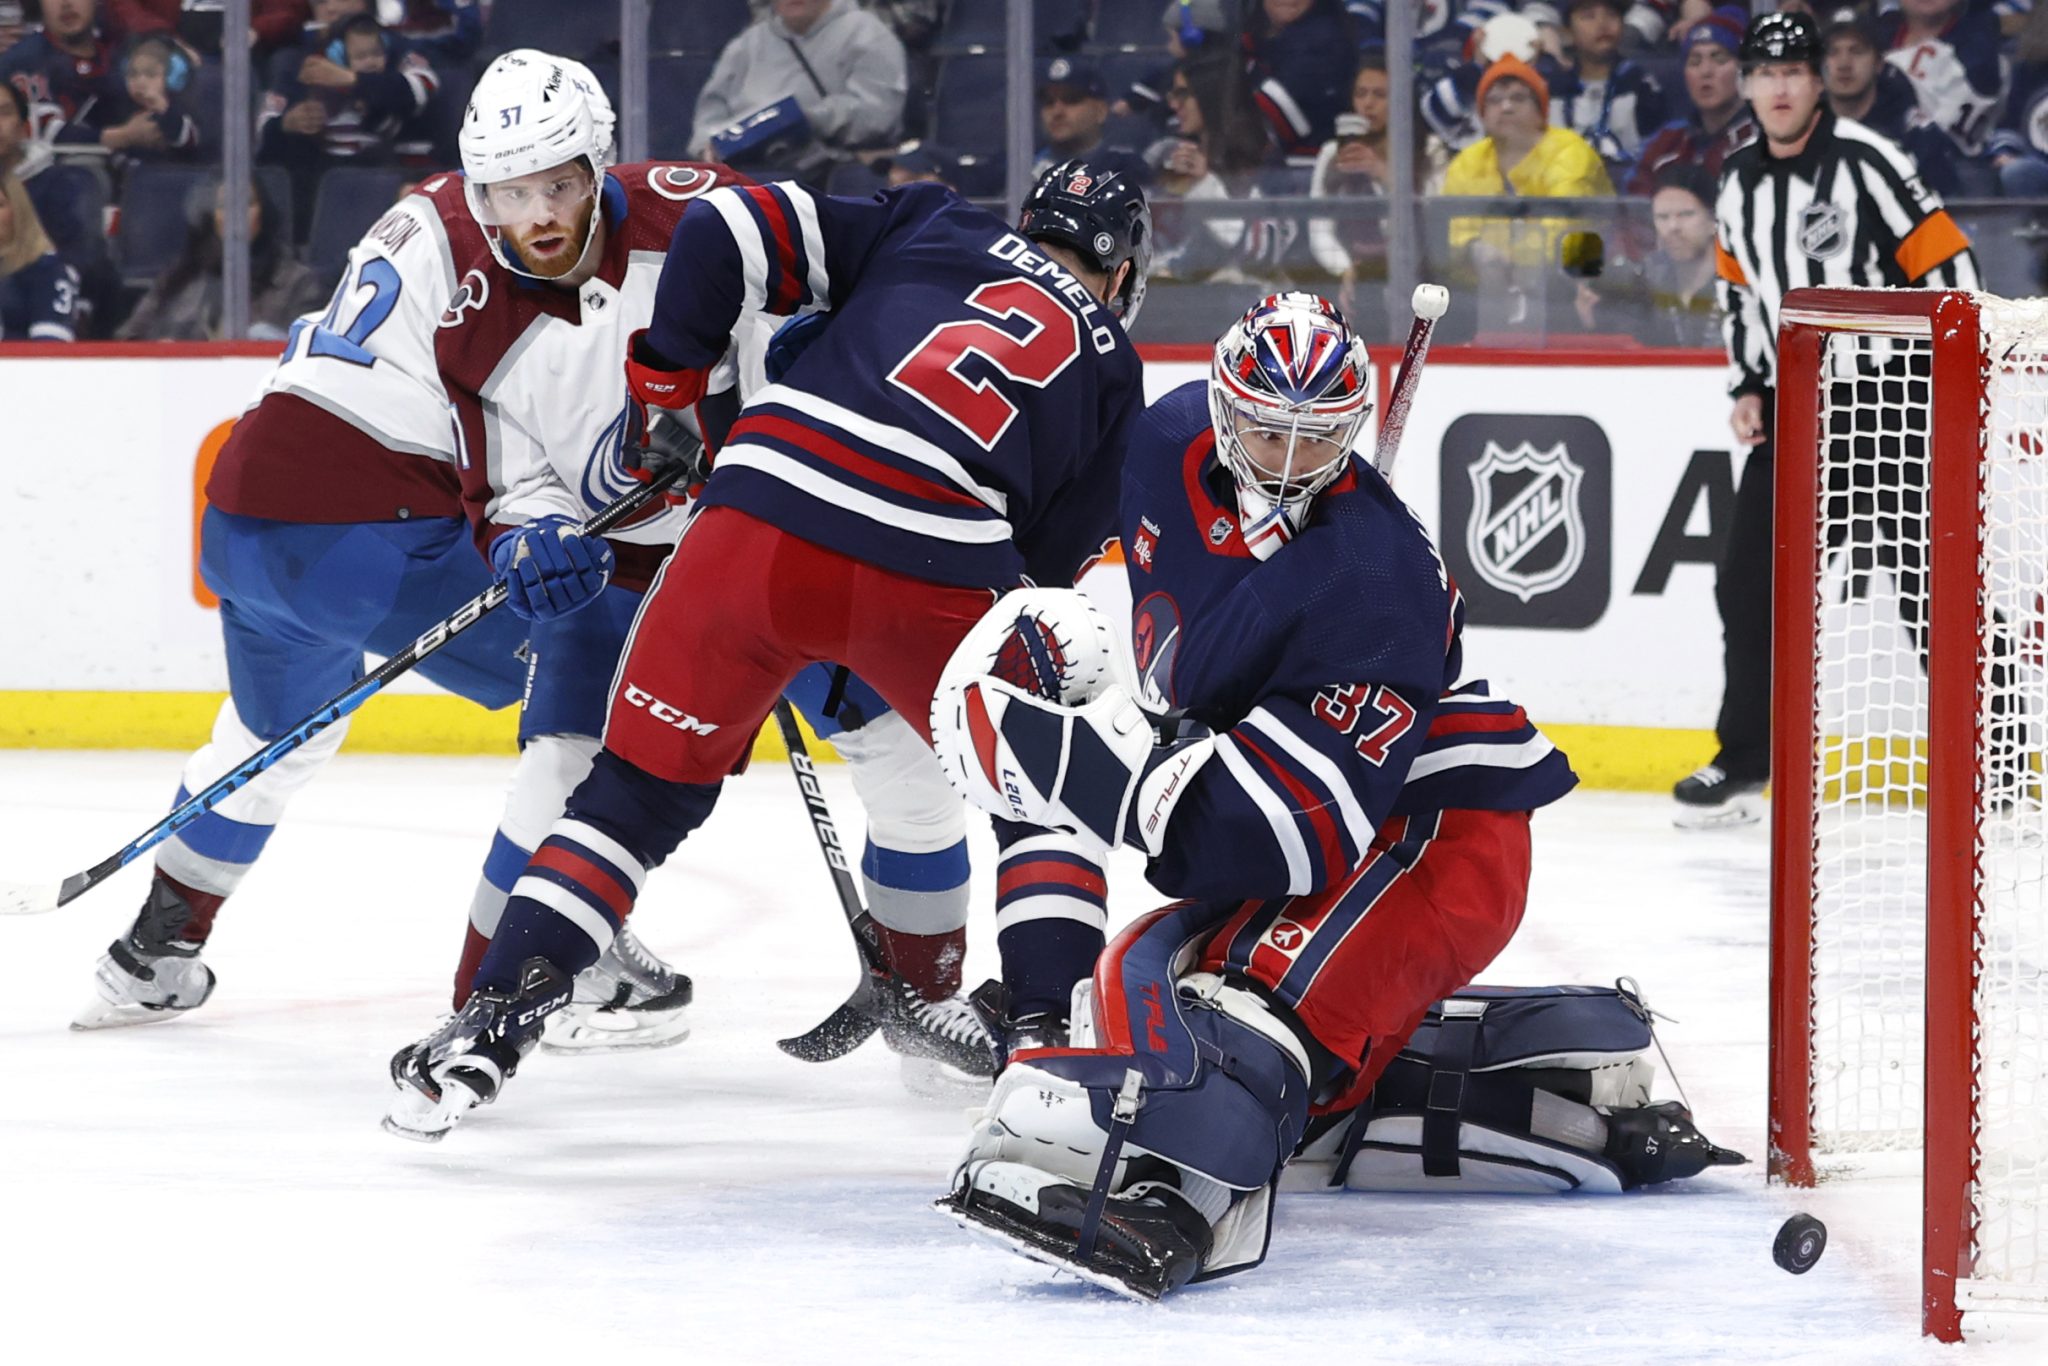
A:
(531, 111)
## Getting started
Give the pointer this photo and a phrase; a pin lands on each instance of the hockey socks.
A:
(581, 883)
(1051, 911)
(919, 902)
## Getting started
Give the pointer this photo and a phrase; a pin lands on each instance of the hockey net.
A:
(1909, 846)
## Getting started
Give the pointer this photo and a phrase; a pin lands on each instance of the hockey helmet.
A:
(1788, 36)
(1101, 213)
(531, 111)
(1289, 392)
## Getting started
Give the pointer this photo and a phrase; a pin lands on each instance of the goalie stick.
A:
(1429, 303)
(38, 898)
(850, 1026)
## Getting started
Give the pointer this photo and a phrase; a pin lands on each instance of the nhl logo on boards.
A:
(1821, 232)
(1527, 518)
(1525, 534)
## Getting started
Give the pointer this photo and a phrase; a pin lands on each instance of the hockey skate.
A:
(629, 999)
(1710, 799)
(149, 975)
(944, 1050)
(1150, 1240)
(467, 1060)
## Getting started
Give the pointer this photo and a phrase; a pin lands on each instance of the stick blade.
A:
(30, 898)
(844, 1030)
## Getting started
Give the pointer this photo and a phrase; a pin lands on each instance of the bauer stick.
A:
(1429, 303)
(850, 1026)
(36, 898)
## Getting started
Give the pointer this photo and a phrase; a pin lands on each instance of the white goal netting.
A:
(1869, 895)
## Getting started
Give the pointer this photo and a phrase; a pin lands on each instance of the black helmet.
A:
(1100, 212)
(1783, 37)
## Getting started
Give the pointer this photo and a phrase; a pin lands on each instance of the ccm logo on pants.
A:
(667, 714)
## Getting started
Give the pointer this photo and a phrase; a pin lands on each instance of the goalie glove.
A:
(1093, 770)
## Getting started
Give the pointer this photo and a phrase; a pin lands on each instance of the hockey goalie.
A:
(1348, 826)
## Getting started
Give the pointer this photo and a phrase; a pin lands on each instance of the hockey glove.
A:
(550, 568)
(670, 441)
(1077, 769)
(653, 381)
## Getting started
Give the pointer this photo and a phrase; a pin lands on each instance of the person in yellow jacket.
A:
(1521, 155)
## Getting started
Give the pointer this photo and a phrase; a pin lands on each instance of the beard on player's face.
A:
(552, 247)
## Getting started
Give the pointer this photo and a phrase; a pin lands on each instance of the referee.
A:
(1817, 200)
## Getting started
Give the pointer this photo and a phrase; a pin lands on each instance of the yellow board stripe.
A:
(1622, 758)
(388, 724)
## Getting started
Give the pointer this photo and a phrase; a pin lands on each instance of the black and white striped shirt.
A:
(1850, 209)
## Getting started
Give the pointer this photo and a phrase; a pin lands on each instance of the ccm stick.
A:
(38, 898)
(1429, 303)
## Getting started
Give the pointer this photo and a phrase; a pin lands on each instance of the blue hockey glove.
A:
(550, 568)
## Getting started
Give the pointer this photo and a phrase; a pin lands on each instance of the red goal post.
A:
(1909, 895)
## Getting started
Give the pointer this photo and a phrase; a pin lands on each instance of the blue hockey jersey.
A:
(1330, 671)
(961, 419)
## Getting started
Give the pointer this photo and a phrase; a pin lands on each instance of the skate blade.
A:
(412, 1116)
(1042, 1253)
(1729, 815)
(614, 1031)
(930, 1079)
(101, 1013)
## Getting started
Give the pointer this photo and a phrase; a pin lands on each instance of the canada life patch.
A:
(1145, 545)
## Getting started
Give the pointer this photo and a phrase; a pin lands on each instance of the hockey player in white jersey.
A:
(364, 547)
(334, 526)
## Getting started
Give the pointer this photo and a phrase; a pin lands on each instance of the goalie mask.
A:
(535, 142)
(1289, 393)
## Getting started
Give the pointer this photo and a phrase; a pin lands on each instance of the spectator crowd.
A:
(1262, 129)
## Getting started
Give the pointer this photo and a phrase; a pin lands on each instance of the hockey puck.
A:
(1800, 1243)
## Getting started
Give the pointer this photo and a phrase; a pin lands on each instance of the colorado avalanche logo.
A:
(1526, 535)
(678, 182)
(474, 293)
(605, 478)
(1155, 642)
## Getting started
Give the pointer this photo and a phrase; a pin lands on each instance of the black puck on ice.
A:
(1800, 1243)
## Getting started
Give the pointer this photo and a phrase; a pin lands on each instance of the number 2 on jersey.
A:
(931, 372)
(378, 276)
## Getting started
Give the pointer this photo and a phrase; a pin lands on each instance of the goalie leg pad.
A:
(1516, 1089)
(1185, 1078)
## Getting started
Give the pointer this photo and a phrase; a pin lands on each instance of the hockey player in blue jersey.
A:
(956, 427)
(1346, 820)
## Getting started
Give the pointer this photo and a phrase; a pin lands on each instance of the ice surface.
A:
(217, 1189)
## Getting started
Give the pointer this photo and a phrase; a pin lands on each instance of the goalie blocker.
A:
(1147, 1155)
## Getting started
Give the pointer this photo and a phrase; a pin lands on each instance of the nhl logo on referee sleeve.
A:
(1527, 518)
(1821, 232)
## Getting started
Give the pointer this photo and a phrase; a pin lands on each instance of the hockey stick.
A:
(37, 898)
(1429, 303)
(850, 1026)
